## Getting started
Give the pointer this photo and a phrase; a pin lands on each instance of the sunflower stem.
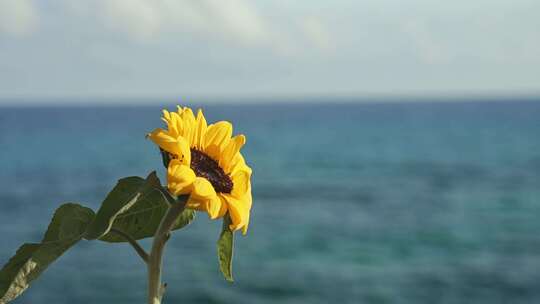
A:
(155, 260)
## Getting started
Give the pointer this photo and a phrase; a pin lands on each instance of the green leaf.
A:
(135, 206)
(141, 222)
(127, 192)
(66, 228)
(225, 246)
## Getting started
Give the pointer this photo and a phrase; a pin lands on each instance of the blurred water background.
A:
(353, 203)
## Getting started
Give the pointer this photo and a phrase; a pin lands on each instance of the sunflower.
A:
(204, 162)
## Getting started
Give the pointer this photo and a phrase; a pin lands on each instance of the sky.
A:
(70, 50)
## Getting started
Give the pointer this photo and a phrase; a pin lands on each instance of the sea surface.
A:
(419, 202)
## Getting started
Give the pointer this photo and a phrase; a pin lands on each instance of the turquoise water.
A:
(353, 203)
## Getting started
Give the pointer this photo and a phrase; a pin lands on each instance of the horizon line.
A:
(261, 100)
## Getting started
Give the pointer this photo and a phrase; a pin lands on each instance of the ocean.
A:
(418, 202)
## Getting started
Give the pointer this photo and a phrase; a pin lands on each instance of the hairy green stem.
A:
(155, 260)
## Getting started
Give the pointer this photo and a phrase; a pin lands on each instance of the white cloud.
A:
(237, 23)
(17, 17)
(139, 18)
(238, 18)
(234, 21)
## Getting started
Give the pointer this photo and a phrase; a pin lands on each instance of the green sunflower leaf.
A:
(135, 206)
(66, 228)
(150, 219)
(225, 246)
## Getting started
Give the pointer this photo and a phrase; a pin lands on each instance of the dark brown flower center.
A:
(204, 166)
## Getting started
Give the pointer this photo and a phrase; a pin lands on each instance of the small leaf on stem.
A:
(225, 246)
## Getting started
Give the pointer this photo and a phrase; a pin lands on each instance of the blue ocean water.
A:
(353, 203)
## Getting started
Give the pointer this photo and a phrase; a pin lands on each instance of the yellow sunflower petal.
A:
(237, 212)
(230, 151)
(185, 115)
(245, 228)
(195, 204)
(202, 189)
(175, 123)
(189, 132)
(241, 183)
(200, 130)
(179, 177)
(217, 137)
(166, 115)
(213, 207)
(246, 201)
(238, 164)
(164, 140)
(185, 152)
(223, 207)
(247, 198)
(202, 196)
(176, 146)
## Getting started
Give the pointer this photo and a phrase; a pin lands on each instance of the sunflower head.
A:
(204, 162)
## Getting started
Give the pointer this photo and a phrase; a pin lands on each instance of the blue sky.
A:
(241, 48)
